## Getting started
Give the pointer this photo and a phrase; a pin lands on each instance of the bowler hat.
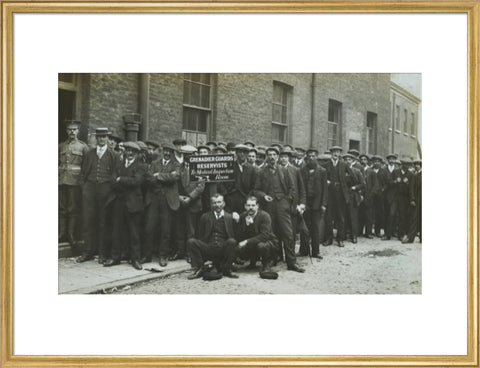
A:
(179, 141)
(212, 275)
(269, 275)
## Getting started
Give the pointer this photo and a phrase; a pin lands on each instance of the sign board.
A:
(213, 168)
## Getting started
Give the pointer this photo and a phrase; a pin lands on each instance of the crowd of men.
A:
(137, 200)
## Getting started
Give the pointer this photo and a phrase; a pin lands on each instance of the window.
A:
(412, 126)
(280, 113)
(405, 120)
(334, 123)
(196, 108)
(371, 142)
(397, 118)
(354, 145)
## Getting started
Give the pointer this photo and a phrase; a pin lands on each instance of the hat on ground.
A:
(169, 146)
(101, 131)
(273, 148)
(151, 143)
(269, 275)
(391, 155)
(242, 147)
(354, 152)
(179, 142)
(131, 145)
(335, 148)
(188, 149)
(212, 275)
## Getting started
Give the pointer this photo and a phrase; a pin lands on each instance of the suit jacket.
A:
(164, 183)
(263, 228)
(390, 183)
(416, 188)
(369, 176)
(90, 158)
(128, 188)
(403, 188)
(207, 222)
(300, 196)
(359, 184)
(345, 177)
(320, 186)
(263, 184)
(244, 181)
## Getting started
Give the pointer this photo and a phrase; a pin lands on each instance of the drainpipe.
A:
(143, 99)
(393, 124)
(312, 113)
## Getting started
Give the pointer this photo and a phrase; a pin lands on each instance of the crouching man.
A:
(254, 228)
(215, 241)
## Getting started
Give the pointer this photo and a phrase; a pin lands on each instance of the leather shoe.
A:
(317, 256)
(163, 261)
(83, 258)
(197, 274)
(145, 260)
(111, 262)
(239, 262)
(230, 274)
(251, 266)
(385, 237)
(328, 242)
(340, 243)
(354, 240)
(295, 267)
(369, 236)
(137, 265)
(101, 260)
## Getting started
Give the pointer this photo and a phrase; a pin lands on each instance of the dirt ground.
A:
(368, 267)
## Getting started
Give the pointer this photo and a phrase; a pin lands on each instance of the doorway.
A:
(66, 111)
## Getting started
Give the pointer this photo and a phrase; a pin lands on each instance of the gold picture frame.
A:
(9, 8)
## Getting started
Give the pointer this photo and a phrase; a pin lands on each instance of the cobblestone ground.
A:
(368, 267)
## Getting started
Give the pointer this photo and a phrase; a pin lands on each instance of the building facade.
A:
(367, 112)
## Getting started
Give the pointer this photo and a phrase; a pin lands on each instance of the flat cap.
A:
(300, 149)
(406, 160)
(219, 148)
(364, 155)
(169, 146)
(287, 150)
(377, 158)
(242, 147)
(269, 275)
(142, 146)
(75, 123)
(272, 148)
(324, 156)
(179, 141)
(131, 145)
(249, 143)
(153, 144)
(391, 155)
(335, 148)
(354, 152)
(204, 146)
(212, 276)
(188, 149)
(211, 143)
(349, 155)
(312, 150)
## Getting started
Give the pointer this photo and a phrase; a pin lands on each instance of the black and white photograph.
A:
(239, 183)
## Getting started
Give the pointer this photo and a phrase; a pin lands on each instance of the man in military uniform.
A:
(70, 158)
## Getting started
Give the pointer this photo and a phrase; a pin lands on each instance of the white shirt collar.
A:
(218, 216)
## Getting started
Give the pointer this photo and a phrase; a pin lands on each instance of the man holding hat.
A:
(70, 158)
(275, 188)
(339, 179)
(161, 202)
(127, 207)
(98, 173)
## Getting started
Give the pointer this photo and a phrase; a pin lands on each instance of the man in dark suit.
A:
(356, 189)
(161, 202)
(215, 241)
(403, 195)
(254, 230)
(339, 179)
(316, 189)
(244, 175)
(127, 207)
(415, 205)
(366, 210)
(391, 177)
(377, 190)
(275, 188)
(98, 174)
